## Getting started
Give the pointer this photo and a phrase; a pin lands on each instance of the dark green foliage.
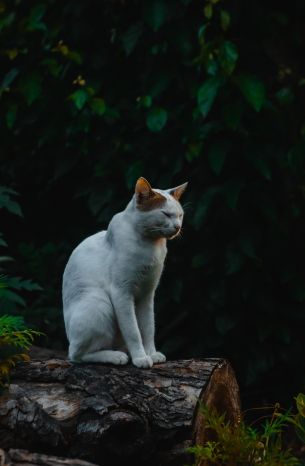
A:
(13, 331)
(10, 299)
(95, 94)
(15, 341)
(15, 337)
(299, 419)
(244, 445)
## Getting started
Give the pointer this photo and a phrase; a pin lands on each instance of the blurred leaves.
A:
(155, 13)
(207, 94)
(79, 97)
(253, 90)
(30, 87)
(156, 119)
(15, 339)
(228, 56)
(217, 154)
(6, 201)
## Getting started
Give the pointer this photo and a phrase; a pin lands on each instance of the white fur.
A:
(109, 285)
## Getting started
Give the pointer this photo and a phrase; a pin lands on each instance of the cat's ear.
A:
(178, 191)
(147, 198)
(143, 189)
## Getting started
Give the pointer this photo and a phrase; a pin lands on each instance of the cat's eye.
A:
(167, 214)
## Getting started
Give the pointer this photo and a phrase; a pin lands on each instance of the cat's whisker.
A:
(179, 236)
(186, 205)
(154, 230)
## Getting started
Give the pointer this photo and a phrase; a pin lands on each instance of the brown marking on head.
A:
(178, 191)
(147, 198)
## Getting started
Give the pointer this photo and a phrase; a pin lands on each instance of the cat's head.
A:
(159, 212)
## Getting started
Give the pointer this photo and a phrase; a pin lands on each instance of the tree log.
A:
(110, 414)
(25, 458)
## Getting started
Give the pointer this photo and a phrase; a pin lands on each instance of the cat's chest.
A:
(147, 267)
(150, 262)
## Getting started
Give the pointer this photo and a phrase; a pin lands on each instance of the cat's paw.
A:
(119, 358)
(143, 363)
(157, 357)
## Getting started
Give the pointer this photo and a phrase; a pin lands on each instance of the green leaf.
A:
(112, 114)
(98, 105)
(160, 82)
(208, 11)
(10, 205)
(10, 116)
(204, 205)
(232, 190)
(6, 259)
(30, 87)
(6, 21)
(262, 166)
(2, 242)
(194, 150)
(52, 66)
(285, 96)
(75, 57)
(34, 21)
(134, 171)
(231, 114)
(234, 260)
(5, 189)
(300, 427)
(225, 19)
(207, 94)
(212, 66)
(145, 101)
(131, 37)
(156, 119)
(155, 13)
(12, 297)
(247, 245)
(7, 203)
(9, 78)
(253, 90)
(201, 32)
(300, 402)
(11, 324)
(228, 56)
(79, 97)
(18, 283)
(217, 154)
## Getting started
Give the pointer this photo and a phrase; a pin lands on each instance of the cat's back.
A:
(86, 268)
(85, 261)
(91, 246)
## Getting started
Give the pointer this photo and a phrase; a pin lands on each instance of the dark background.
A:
(95, 94)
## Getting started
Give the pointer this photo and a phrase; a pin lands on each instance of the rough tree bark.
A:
(109, 415)
(25, 458)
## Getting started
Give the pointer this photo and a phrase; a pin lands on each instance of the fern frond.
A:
(11, 324)
(7, 364)
(20, 339)
(241, 445)
(18, 283)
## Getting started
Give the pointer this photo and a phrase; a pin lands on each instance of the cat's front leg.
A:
(125, 313)
(146, 321)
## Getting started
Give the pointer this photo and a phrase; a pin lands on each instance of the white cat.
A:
(111, 277)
